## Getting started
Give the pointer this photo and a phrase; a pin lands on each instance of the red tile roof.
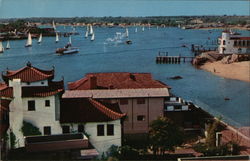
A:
(240, 38)
(35, 91)
(119, 80)
(76, 110)
(6, 91)
(4, 104)
(28, 74)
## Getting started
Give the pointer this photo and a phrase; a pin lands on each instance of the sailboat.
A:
(70, 41)
(8, 45)
(126, 32)
(29, 41)
(87, 32)
(1, 47)
(40, 39)
(143, 29)
(91, 30)
(57, 37)
(93, 37)
(135, 29)
(53, 25)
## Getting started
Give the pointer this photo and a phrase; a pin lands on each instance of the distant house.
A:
(233, 43)
(138, 95)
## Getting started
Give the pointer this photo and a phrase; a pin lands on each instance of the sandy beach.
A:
(238, 70)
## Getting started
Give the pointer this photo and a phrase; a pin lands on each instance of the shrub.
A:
(29, 130)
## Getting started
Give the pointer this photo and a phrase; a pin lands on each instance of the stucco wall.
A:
(101, 143)
(152, 109)
(42, 116)
(25, 84)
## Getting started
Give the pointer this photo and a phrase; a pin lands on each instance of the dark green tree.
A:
(164, 135)
(28, 129)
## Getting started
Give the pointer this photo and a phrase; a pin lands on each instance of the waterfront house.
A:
(30, 95)
(35, 99)
(233, 43)
(99, 121)
(138, 95)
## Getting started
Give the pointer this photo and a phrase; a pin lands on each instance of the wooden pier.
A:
(198, 49)
(173, 59)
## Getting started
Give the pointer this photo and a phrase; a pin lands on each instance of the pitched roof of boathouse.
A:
(116, 80)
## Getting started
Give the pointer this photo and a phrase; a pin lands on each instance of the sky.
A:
(100, 8)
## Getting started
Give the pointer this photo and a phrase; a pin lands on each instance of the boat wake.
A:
(119, 38)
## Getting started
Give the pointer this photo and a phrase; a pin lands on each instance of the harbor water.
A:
(107, 54)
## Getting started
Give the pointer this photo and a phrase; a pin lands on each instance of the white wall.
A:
(101, 143)
(42, 116)
(229, 45)
(25, 84)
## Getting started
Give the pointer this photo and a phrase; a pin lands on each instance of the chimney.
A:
(17, 88)
(16, 112)
(92, 82)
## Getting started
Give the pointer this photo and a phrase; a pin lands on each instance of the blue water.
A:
(201, 87)
(73, 8)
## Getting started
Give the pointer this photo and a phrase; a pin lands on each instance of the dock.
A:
(198, 49)
(163, 58)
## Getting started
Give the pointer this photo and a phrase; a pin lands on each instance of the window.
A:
(140, 118)
(65, 129)
(123, 101)
(28, 83)
(31, 105)
(47, 103)
(80, 128)
(235, 43)
(42, 82)
(224, 42)
(110, 129)
(47, 130)
(100, 130)
(140, 101)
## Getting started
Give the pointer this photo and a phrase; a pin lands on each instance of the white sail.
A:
(127, 32)
(8, 45)
(93, 37)
(135, 29)
(29, 41)
(143, 28)
(70, 41)
(87, 32)
(57, 37)
(1, 47)
(91, 30)
(40, 38)
(53, 25)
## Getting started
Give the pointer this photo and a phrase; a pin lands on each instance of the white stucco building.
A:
(101, 122)
(34, 99)
(233, 43)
